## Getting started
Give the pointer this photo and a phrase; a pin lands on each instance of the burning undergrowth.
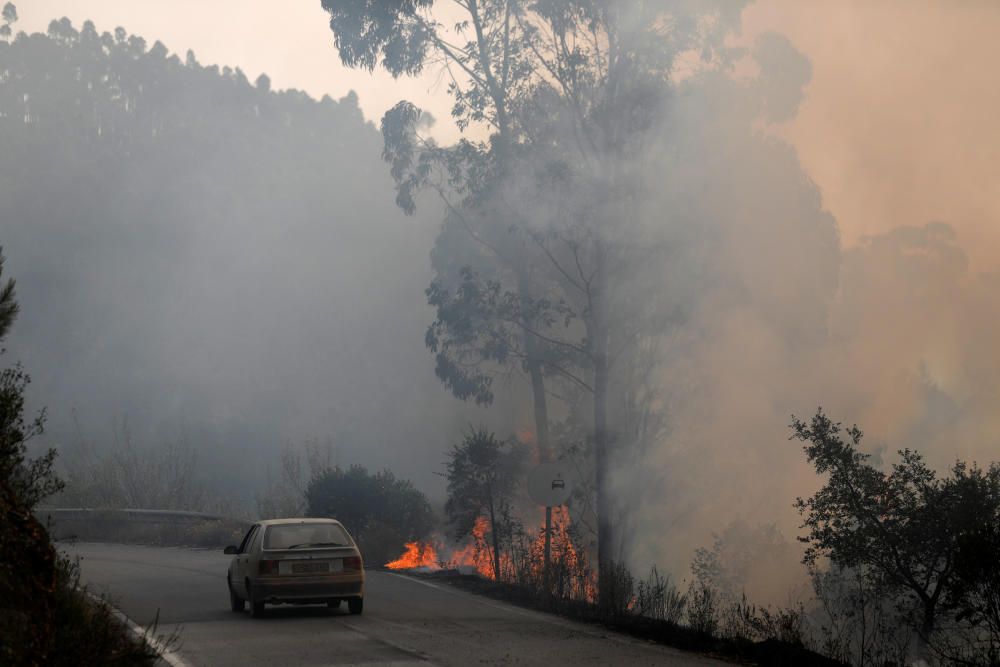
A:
(495, 533)
(516, 556)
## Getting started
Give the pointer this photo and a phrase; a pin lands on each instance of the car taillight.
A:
(269, 567)
(352, 563)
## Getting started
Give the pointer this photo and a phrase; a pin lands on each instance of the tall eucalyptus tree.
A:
(564, 94)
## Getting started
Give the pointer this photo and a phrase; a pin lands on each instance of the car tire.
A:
(356, 605)
(333, 604)
(256, 608)
(236, 603)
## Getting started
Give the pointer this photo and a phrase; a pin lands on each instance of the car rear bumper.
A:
(307, 589)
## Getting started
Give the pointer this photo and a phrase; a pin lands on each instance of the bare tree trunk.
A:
(927, 625)
(605, 539)
(495, 539)
(540, 406)
(534, 365)
(598, 335)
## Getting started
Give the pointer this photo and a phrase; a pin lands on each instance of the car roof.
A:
(311, 519)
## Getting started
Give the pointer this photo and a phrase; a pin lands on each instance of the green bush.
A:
(27, 583)
(381, 511)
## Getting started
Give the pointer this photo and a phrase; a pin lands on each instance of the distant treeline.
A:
(223, 261)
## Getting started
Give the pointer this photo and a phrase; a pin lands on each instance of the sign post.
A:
(549, 485)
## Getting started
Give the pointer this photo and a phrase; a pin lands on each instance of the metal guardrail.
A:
(134, 515)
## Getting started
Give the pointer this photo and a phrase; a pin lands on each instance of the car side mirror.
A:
(230, 550)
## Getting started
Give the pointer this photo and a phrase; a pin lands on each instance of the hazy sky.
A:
(898, 126)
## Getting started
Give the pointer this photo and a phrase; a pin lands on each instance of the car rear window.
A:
(305, 535)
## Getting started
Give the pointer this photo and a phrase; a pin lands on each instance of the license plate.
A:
(310, 566)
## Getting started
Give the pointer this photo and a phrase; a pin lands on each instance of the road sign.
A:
(549, 484)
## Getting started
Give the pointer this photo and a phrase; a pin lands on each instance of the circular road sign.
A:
(549, 484)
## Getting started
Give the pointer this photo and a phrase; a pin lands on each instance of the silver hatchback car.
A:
(296, 561)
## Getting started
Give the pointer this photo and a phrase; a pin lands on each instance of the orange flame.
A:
(478, 553)
(561, 543)
(418, 554)
(563, 551)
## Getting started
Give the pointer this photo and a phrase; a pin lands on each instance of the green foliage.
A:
(902, 528)
(569, 92)
(973, 604)
(479, 334)
(465, 338)
(27, 583)
(381, 511)
(9, 16)
(481, 471)
(390, 34)
(46, 616)
(977, 570)
(31, 479)
(8, 302)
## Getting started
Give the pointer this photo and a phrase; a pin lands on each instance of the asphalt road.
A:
(406, 621)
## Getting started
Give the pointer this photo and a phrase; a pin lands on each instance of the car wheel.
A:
(256, 608)
(333, 604)
(235, 601)
(356, 605)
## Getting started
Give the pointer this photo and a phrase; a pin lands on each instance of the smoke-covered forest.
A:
(207, 260)
(622, 265)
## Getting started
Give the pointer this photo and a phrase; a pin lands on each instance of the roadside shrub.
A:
(703, 609)
(128, 474)
(482, 471)
(859, 619)
(972, 621)
(743, 621)
(617, 588)
(29, 480)
(381, 511)
(27, 582)
(658, 598)
(87, 632)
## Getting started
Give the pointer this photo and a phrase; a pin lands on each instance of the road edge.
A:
(170, 657)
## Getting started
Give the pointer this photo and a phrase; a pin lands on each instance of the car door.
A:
(240, 560)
